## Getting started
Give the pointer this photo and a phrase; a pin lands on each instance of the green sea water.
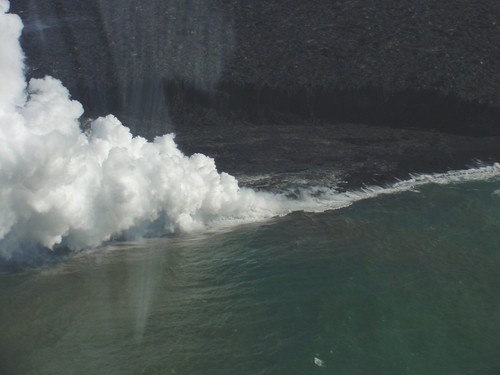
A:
(405, 283)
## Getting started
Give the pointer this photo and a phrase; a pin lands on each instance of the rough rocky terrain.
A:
(367, 88)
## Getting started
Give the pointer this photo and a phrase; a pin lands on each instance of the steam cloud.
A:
(61, 185)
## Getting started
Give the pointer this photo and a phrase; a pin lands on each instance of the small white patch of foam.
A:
(318, 362)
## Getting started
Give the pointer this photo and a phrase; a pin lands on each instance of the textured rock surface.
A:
(221, 72)
(443, 46)
(433, 64)
(428, 63)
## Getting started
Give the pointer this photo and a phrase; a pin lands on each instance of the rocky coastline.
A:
(373, 91)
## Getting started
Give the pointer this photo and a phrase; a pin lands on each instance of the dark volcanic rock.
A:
(346, 155)
(262, 67)
(443, 46)
(429, 63)
(433, 64)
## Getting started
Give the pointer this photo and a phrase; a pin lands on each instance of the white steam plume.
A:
(59, 185)
(12, 82)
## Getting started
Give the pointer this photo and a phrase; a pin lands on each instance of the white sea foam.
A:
(61, 185)
(479, 173)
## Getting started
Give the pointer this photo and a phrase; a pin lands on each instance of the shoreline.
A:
(349, 156)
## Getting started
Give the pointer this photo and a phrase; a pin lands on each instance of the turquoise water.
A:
(400, 284)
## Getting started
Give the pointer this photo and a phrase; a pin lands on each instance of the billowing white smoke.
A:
(59, 185)
(12, 82)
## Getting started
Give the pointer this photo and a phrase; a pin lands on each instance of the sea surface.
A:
(400, 283)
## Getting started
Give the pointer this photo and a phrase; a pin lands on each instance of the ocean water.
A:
(405, 283)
